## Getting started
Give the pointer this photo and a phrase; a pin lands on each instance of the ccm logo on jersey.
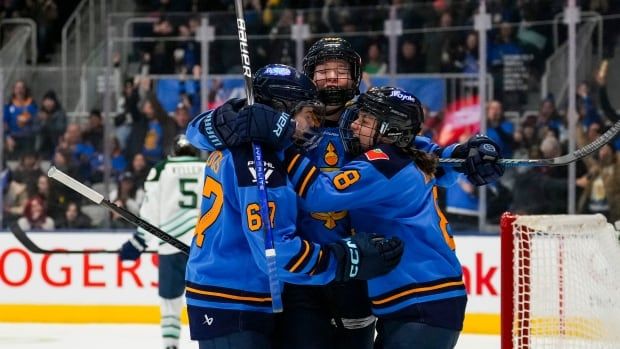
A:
(268, 170)
(376, 154)
(355, 258)
(280, 124)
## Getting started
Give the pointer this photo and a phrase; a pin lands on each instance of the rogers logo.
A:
(19, 268)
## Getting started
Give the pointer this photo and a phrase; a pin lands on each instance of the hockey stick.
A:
(22, 237)
(558, 161)
(270, 251)
(128, 216)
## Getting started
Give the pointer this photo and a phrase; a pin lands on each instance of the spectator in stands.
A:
(162, 53)
(410, 59)
(526, 137)
(119, 161)
(35, 217)
(499, 129)
(550, 120)
(73, 218)
(440, 46)
(181, 118)
(93, 132)
(52, 123)
(586, 109)
(602, 185)
(127, 111)
(83, 154)
(128, 193)
(54, 195)
(467, 58)
(15, 196)
(19, 119)
(139, 169)
(45, 14)
(374, 63)
(159, 130)
(28, 170)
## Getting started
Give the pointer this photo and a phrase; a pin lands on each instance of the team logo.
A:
(330, 218)
(402, 96)
(279, 71)
(376, 154)
(208, 320)
(330, 157)
(488, 148)
(268, 170)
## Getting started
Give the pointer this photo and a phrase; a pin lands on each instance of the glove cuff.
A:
(348, 257)
(138, 243)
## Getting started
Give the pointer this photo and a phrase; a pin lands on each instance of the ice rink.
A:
(62, 336)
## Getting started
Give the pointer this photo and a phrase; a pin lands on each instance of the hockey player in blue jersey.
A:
(421, 303)
(227, 287)
(171, 202)
(339, 315)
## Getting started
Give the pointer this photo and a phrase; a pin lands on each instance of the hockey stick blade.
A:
(23, 238)
(558, 161)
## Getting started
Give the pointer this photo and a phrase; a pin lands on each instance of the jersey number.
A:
(211, 187)
(190, 199)
(443, 223)
(255, 221)
(345, 179)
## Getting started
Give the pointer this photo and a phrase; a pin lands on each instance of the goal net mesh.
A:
(565, 282)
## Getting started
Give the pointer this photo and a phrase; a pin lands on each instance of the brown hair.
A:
(426, 162)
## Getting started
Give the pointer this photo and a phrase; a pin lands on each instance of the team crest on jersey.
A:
(376, 154)
(331, 156)
(330, 218)
(268, 170)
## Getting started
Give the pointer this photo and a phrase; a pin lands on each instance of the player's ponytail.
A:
(426, 162)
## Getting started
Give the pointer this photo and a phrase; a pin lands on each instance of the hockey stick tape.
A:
(70, 182)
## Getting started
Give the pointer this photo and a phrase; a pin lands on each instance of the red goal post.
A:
(560, 282)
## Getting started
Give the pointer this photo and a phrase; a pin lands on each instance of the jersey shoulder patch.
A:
(243, 160)
(387, 159)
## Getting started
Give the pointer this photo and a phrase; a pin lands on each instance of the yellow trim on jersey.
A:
(302, 189)
(418, 290)
(292, 163)
(302, 258)
(229, 296)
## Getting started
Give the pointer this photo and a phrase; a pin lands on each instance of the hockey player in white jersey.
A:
(171, 203)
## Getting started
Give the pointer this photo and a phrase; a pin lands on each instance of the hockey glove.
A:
(233, 123)
(131, 250)
(481, 154)
(365, 256)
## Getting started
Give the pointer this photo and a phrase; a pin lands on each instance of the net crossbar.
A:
(560, 282)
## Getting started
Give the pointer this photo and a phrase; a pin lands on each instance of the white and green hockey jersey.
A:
(172, 199)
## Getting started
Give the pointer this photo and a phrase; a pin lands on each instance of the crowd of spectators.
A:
(38, 132)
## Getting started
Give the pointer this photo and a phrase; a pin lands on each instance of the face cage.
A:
(338, 96)
(350, 142)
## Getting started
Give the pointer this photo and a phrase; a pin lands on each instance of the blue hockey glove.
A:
(365, 256)
(131, 250)
(481, 154)
(233, 123)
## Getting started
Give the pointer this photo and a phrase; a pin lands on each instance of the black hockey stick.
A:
(558, 161)
(22, 237)
(128, 216)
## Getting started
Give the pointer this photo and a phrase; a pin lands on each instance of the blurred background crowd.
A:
(51, 117)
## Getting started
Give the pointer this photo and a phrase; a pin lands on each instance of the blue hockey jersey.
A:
(227, 268)
(386, 193)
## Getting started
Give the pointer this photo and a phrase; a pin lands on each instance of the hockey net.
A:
(560, 282)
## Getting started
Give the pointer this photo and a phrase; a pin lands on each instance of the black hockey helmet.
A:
(283, 87)
(334, 48)
(182, 147)
(399, 117)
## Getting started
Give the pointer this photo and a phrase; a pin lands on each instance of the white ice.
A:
(130, 336)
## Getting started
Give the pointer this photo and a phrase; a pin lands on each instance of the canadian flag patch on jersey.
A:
(376, 154)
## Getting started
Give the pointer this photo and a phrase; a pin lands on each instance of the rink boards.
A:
(99, 288)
